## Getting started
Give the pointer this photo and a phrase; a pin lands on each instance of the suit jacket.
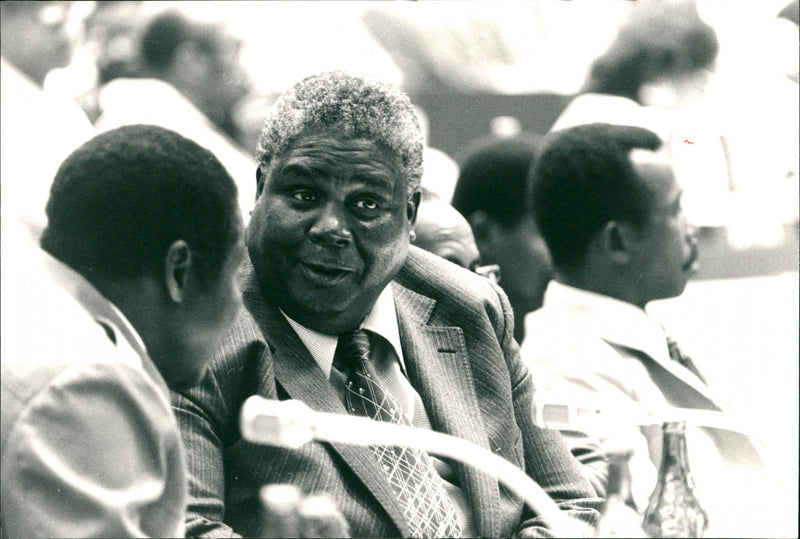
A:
(598, 350)
(457, 336)
(89, 445)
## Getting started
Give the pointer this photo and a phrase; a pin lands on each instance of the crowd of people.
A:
(157, 273)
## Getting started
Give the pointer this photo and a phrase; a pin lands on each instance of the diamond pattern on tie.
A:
(418, 487)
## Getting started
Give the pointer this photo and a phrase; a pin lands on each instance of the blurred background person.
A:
(441, 230)
(110, 50)
(657, 69)
(191, 79)
(39, 129)
(490, 193)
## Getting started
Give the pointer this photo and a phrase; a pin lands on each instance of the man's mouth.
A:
(324, 274)
(692, 263)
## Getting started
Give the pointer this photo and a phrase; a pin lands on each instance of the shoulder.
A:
(447, 283)
(81, 400)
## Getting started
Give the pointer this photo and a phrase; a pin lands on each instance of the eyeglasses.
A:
(489, 271)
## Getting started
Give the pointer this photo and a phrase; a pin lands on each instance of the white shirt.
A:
(39, 130)
(155, 102)
(575, 346)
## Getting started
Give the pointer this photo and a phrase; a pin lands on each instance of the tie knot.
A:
(351, 350)
(674, 351)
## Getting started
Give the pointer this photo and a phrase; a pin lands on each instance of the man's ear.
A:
(177, 267)
(412, 206)
(617, 240)
(261, 178)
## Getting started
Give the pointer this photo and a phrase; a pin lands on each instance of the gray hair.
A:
(351, 106)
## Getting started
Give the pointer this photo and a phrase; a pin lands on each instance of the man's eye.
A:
(366, 204)
(303, 196)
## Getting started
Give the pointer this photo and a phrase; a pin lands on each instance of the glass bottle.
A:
(619, 516)
(674, 510)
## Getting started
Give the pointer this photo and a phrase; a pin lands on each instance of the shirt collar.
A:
(382, 319)
(614, 320)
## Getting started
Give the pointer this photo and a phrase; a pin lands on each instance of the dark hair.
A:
(121, 199)
(493, 174)
(657, 39)
(583, 179)
(168, 31)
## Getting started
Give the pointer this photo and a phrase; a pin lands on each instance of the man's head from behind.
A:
(608, 206)
(340, 166)
(151, 219)
(490, 193)
(200, 59)
(34, 36)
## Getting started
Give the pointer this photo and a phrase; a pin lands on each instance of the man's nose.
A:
(331, 227)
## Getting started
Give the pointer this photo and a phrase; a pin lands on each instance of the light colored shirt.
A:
(38, 131)
(152, 101)
(390, 366)
(90, 447)
(586, 347)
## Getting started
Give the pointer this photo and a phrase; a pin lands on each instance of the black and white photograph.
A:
(399, 268)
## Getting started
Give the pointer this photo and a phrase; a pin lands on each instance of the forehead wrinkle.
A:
(336, 161)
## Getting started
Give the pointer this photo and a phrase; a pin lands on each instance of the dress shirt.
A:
(388, 356)
(588, 347)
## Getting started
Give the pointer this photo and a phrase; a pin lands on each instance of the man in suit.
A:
(331, 270)
(132, 290)
(609, 207)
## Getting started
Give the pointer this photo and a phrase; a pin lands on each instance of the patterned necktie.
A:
(676, 354)
(426, 505)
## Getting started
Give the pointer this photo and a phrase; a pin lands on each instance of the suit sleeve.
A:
(208, 418)
(95, 454)
(547, 458)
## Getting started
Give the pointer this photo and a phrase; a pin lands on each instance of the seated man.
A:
(128, 297)
(609, 207)
(490, 193)
(331, 270)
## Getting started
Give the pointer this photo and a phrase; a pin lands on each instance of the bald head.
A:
(441, 230)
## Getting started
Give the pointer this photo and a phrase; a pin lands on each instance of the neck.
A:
(611, 287)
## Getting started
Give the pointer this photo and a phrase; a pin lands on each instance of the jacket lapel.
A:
(300, 377)
(438, 368)
(736, 448)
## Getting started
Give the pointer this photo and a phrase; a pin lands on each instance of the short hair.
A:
(166, 32)
(352, 107)
(657, 39)
(583, 179)
(493, 175)
(121, 199)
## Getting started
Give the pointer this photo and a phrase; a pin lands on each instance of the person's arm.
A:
(95, 454)
(547, 457)
(207, 417)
